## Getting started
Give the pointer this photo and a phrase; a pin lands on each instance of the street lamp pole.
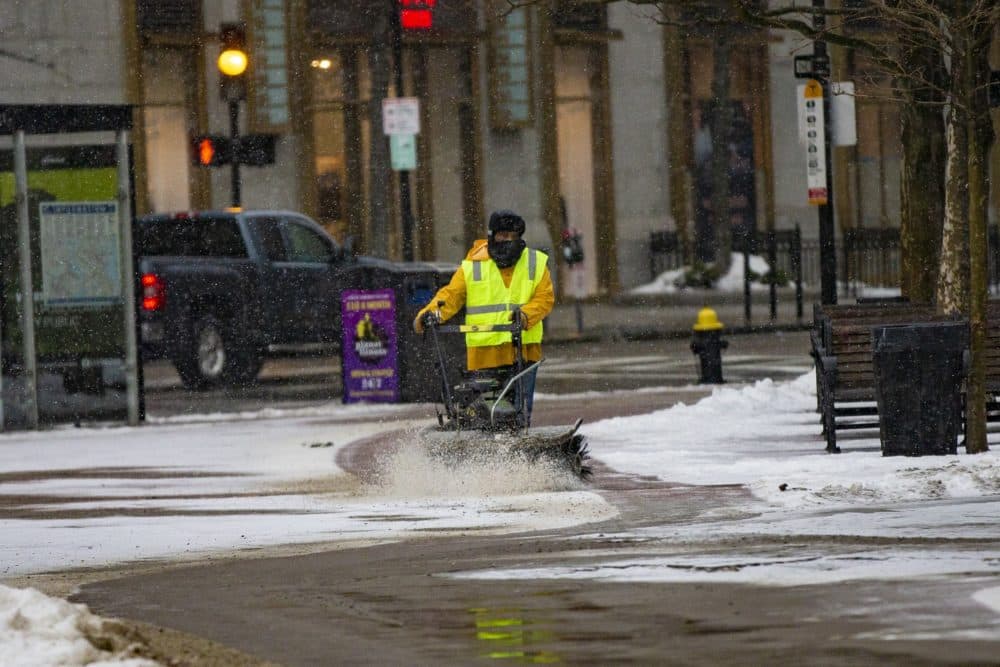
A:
(232, 64)
(234, 136)
(827, 247)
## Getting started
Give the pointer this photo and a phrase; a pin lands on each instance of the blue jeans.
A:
(527, 385)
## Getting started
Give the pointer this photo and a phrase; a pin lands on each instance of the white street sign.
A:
(810, 104)
(401, 115)
(842, 114)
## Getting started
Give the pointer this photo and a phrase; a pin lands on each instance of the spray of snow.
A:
(491, 470)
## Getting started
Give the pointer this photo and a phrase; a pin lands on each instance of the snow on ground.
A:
(181, 490)
(766, 438)
(184, 488)
(191, 486)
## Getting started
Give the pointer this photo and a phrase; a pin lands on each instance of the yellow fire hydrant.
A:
(707, 343)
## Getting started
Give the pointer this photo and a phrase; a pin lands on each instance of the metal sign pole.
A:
(827, 247)
(3, 301)
(128, 279)
(27, 289)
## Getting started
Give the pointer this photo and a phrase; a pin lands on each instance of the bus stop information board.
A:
(79, 252)
(369, 348)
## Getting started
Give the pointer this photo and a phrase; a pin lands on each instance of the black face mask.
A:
(505, 253)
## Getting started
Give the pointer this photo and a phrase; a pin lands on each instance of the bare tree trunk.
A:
(953, 276)
(980, 137)
(922, 179)
(721, 123)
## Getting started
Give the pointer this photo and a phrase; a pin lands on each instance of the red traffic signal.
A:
(211, 150)
(416, 14)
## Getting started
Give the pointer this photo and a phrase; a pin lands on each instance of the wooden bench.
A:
(841, 341)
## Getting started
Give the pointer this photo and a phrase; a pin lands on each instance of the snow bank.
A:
(36, 629)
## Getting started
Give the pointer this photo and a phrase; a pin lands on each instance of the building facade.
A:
(590, 115)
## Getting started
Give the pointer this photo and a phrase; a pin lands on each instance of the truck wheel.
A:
(205, 361)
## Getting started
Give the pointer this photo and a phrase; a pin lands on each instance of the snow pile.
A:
(36, 629)
(668, 281)
(767, 437)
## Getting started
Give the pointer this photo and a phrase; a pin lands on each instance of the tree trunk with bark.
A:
(980, 136)
(953, 274)
(922, 179)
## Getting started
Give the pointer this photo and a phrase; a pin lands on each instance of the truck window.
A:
(305, 245)
(268, 235)
(192, 237)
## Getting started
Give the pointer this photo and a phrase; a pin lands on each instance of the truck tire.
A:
(203, 364)
(217, 357)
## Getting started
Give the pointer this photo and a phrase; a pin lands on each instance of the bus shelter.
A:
(68, 337)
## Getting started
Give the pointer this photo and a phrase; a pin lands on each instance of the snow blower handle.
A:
(432, 321)
(515, 337)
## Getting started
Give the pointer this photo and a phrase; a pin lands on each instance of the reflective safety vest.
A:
(489, 301)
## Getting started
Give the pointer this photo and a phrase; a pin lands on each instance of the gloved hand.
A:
(424, 320)
(521, 315)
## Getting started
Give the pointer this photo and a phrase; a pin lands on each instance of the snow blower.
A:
(484, 414)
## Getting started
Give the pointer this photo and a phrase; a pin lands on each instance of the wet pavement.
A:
(410, 603)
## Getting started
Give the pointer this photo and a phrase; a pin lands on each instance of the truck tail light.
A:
(153, 293)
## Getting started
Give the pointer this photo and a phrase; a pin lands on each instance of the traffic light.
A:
(211, 150)
(416, 14)
(214, 150)
(233, 61)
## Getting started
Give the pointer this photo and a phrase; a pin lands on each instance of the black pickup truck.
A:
(221, 290)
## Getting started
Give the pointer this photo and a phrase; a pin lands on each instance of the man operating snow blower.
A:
(506, 291)
(500, 279)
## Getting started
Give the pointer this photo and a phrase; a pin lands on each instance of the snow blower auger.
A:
(484, 414)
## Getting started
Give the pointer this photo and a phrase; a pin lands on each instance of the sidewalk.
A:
(672, 316)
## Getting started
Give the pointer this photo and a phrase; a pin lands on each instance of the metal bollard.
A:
(706, 342)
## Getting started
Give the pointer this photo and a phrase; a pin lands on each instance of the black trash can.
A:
(414, 285)
(919, 372)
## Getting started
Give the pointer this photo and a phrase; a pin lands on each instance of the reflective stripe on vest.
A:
(488, 301)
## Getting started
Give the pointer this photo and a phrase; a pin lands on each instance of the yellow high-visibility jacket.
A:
(535, 309)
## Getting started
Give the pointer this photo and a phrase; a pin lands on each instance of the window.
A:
(267, 233)
(577, 15)
(192, 237)
(306, 245)
(168, 16)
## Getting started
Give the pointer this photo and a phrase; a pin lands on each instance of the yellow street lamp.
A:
(232, 62)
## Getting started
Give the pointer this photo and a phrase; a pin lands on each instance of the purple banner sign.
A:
(369, 350)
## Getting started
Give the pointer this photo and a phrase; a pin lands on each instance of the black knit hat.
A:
(506, 221)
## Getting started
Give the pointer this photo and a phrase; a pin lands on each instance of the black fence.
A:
(872, 258)
(782, 248)
(665, 252)
(869, 256)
